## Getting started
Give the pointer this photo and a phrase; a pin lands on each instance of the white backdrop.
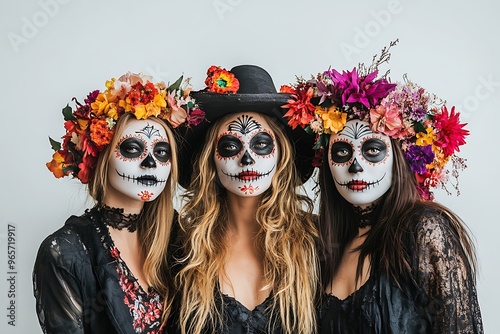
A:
(52, 50)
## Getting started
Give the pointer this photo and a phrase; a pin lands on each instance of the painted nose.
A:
(246, 159)
(149, 162)
(355, 167)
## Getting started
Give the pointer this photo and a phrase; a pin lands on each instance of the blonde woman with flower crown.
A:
(249, 260)
(392, 260)
(107, 271)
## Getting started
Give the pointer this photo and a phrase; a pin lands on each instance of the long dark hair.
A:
(397, 210)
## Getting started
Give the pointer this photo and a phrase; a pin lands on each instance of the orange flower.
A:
(145, 195)
(287, 89)
(100, 133)
(301, 110)
(56, 165)
(221, 81)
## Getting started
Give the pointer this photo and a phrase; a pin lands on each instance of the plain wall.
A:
(54, 50)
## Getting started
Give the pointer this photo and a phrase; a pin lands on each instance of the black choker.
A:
(115, 218)
(364, 217)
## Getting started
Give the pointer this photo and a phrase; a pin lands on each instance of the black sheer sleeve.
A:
(56, 286)
(445, 274)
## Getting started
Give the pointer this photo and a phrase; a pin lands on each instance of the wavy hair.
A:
(157, 215)
(287, 239)
(395, 214)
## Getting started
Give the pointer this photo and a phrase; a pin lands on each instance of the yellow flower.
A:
(153, 109)
(100, 105)
(140, 111)
(333, 119)
(110, 83)
(424, 139)
(112, 111)
(159, 99)
(440, 159)
(82, 124)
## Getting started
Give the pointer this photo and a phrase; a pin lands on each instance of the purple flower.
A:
(91, 97)
(418, 114)
(327, 90)
(360, 89)
(418, 157)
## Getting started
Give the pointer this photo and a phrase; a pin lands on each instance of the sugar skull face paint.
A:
(246, 154)
(361, 163)
(140, 165)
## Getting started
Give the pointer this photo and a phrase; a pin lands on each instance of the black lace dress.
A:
(444, 300)
(237, 319)
(82, 285)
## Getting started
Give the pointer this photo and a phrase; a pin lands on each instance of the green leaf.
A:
(68, 113)
(176, 84)
(56, 146)
(322, 141)
(419, 127)
(317, 146)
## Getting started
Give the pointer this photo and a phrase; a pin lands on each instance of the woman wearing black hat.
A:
(249, 263)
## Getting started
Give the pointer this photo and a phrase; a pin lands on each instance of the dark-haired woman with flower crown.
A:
(392, 260)
(108, 271)
(248, 235)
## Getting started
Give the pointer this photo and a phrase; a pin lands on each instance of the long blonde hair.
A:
(157, 215)
(287, 237)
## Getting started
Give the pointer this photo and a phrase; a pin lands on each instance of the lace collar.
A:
(364, 217)
(115, 218)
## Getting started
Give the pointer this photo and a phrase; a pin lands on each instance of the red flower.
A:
(450, 134)
(300, 109)
(86, 167)
(114, 253)
(317, 160)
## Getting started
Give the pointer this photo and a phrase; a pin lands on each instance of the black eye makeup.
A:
(132, 148)
(374, 150)
(229, 146)
(162, 151)
(341, 152)
(262, 143)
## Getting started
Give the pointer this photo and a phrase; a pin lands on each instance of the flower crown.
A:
(430, 133)
(90, 127)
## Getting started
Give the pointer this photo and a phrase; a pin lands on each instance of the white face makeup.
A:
(246, 154)
(361, 163)
(140, 165)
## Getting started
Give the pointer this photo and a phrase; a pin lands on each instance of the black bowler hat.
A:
(256, 93)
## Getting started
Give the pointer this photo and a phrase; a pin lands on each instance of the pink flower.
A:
(196, 117)
(358, 89)
(386, 120)
(450, 134)
(177, 114)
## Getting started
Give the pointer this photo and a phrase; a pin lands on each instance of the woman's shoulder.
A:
(436, 229)
(67, 242)
(434, 218)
